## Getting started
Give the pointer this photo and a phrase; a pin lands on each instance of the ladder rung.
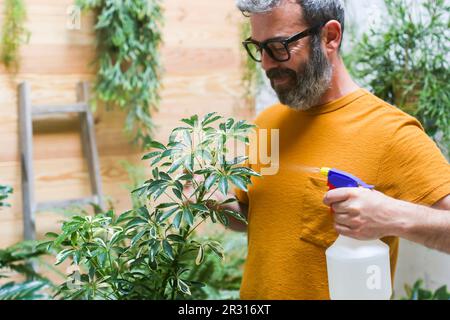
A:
(43, 206)
(45, 110)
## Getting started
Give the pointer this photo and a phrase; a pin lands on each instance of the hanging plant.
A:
(14, 33)
(129, 70)
(252, 77)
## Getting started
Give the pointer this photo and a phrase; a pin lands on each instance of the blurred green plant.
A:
(252, 75)
(405, 61)
(222, 278)
(13, 33)
(136, 174)
(18, 260)
(128, 59)
(148, 252)
(5, 192)
(417, 292)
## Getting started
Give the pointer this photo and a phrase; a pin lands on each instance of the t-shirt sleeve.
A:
(413, 168)
(241, 195)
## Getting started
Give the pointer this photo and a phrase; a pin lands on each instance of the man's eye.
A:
(277, 47)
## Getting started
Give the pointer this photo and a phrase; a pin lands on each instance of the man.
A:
(325, 120)
(367, 215)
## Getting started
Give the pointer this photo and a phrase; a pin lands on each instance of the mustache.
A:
(280, 72)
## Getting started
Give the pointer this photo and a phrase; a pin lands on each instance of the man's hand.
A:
(214, 203)
(362, 213)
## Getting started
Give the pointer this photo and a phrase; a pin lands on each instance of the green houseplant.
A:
(129, 70)
(417, 292)
(405, 61)
(16, 260)
(13, 33)
(150, 252)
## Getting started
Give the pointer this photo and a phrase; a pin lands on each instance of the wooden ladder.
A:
(27, 113)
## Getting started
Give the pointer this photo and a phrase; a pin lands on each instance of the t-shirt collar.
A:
(337, 104)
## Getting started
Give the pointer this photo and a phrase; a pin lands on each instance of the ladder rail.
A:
(27, 112)
(26, 155)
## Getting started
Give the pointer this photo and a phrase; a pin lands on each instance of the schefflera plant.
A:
(147, 252)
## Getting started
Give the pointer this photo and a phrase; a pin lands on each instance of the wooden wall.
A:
(202, 74)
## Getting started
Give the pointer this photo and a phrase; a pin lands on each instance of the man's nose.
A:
(267, 62)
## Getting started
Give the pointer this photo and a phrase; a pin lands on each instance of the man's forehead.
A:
(279, 22)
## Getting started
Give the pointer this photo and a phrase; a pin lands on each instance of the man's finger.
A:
(337, 195)
(345, 220)
(342, 229)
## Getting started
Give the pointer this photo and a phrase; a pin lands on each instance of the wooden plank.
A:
(58, 109)
(89, 144)
(202, 74)
(26, 146)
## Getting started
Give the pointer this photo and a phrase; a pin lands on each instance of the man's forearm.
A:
(424, 225)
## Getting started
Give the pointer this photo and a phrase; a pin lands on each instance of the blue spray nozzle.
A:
(342, 179)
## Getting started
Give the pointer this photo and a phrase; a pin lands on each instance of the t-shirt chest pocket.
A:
(317, 220)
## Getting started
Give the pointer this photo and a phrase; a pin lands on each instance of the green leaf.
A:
(51, 235)
(210, 118)
(168, 249)
(200, 256)
(441, 294)
(177, 164)
(166, 215)
(175, 238)
(137, 237)
(223, 185)
(177, 220)
(183, 287)
(143, 212)
(177, 193)
(239, 182)
(229, 200)
(236, 215)
(157, 145)
(188, 217)
(209, 182)
(166, 205)
(222, 218)
(151, 155)
(216, 248)
(200, 207)
(192, 121)
(63, 255)
(135, 222)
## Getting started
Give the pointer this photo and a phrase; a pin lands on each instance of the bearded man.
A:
(326, 120)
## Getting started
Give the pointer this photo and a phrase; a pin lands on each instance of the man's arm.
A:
(365, 214)
(443, 204)
(427, 226)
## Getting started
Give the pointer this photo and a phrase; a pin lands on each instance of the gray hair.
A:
(314, 11)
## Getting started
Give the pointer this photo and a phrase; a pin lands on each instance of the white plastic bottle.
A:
(358, 270)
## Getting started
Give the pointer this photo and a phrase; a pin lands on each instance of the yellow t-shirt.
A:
(289, 226)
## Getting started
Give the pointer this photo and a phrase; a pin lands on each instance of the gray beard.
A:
(311, 83)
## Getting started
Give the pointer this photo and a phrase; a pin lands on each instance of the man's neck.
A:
(341, 84)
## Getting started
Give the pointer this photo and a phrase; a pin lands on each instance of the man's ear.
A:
(332, 34)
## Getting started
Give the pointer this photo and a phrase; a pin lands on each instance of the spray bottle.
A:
(357, 270)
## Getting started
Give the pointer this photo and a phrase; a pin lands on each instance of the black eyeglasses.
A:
(277, 49)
